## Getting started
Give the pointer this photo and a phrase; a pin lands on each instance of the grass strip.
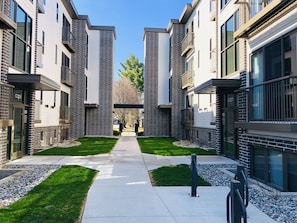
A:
(179, 175)
(88, 146)
(59, 198)
(164, 146)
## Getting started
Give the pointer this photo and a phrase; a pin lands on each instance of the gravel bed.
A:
(279, 206)
(16, 186)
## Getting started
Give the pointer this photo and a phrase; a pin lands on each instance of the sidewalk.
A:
(122, 192)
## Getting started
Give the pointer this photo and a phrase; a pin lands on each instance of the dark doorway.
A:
(229, 116)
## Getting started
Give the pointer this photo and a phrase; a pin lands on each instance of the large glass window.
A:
(275, 168)
(292, 172)
(20, 42)
(273, 70)
(229, 46)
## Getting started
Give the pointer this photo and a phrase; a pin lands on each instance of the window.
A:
(41, 136)
(43, 41)
(20, 41)
(229, 46)
(65, 61)
(57, 12)
(198, 20)
(86, 90)
(257, 5)
(170, 89)
(274, 100)
(276, 168)
(170, 54)
(56, 54)
(64, 99)
(223, 3)
(87, 52)
(292, 172)
(210, 48)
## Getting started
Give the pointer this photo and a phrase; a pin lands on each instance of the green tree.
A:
(133, 70)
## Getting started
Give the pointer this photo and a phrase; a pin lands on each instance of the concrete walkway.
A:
(122, 192)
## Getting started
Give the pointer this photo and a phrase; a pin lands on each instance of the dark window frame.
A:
(21, 40)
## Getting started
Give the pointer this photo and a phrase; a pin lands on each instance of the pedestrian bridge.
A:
(137, 106)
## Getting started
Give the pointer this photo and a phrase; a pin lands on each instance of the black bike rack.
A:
(238, 197)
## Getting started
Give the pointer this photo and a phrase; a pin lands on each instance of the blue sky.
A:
(130, 17)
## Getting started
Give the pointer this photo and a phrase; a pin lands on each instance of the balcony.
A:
(40, 5)
(65, 114)
(273, 105)
(66, 76)
(187, 43)
(67, 39)
(267, 11)
(187, 79)
(187, 117)
(5, 21)
(39, 54)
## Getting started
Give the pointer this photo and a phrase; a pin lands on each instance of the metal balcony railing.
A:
(274, 100)
(6, 22)
(187, 43)
(187, 117)
(67, 39)
(66, 76)
(187, 79)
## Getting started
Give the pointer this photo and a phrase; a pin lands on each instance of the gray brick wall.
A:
(204, 137)
(5, 95)
(156, 121)
(77, 95)
(99, 120)
(178, 68)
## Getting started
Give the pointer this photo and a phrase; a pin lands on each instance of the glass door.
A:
(18, 133)
(230, 148)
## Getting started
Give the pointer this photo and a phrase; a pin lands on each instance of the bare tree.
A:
(126, 93)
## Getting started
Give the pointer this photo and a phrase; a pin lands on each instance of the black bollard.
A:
(194, 175)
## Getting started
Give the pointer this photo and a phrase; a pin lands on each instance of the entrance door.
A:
(18, 133)
(230, 148)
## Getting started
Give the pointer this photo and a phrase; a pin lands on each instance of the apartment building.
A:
(54, 86)
(236, 83)
(177, 59)
(267, 100)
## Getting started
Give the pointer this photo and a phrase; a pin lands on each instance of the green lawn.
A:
(164, 146)
(179, 175)
(59, 198)
(88, 146)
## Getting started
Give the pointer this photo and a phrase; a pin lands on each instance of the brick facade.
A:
(156, 121)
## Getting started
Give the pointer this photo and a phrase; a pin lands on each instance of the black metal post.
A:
(241, 176)
(194, 175)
